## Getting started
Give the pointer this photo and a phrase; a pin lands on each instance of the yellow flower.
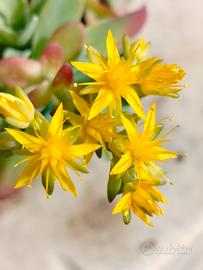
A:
(141, 198)
(101, 129)
(142, 149)
(50, 153)
(17, 110)
(156, 78)
(114, 79)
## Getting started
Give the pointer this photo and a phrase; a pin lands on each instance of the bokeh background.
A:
(64, 233)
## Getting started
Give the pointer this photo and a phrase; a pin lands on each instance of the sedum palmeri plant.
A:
(95, 121)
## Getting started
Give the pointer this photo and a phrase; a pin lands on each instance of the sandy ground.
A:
(67, 234)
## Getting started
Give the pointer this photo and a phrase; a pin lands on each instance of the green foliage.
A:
(51, 17)
(129, 24)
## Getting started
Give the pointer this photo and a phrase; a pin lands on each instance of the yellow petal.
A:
(56, 124)
(134, 101)
(30, 172)
(80, 104)
(138, 212)
(123, 164)
(149, 123)
(165, 154)
(66, 183)
(31, 143)
(21, 94)
(112, 51)
(73, 118)
(123, 204)
(90, 89)
(16, 123)
(115, 105)
(94, 71)
(82, 149)
(157, 195)
(130, 129)
(101, 102)
(71, 134)
(95, 57)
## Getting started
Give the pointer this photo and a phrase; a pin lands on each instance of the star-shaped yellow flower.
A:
(50, 153)
(157, 78)
(142, 198)
(114, 79)
(142, 149)
(101, 129)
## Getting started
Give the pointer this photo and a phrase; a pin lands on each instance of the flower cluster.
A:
(96, 122)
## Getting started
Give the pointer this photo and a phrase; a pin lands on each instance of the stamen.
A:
(161, 173)
(22, 161)
(170, 131)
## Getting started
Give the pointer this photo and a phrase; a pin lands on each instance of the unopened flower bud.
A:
(127, 216)
(52, 59)
(64, 77)
(17, 110)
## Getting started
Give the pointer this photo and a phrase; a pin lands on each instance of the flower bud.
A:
(113, 187)
(52, 59)
(127, 216)
(64, 77)
(17, 110)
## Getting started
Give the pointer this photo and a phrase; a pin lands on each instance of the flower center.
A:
(143, 149)
(53, 149)
(117, 77)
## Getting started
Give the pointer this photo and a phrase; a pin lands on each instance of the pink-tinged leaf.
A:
(19, 71)
(70, 38)
(64, 76)
(40, 95)
(52, 59)
(129, 24)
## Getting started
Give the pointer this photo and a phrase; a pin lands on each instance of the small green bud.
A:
(127, 216)
(126, 46)
(113, 187)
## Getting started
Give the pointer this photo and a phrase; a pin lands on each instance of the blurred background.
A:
(64, 233)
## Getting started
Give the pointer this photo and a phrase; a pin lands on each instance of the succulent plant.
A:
(38, 36)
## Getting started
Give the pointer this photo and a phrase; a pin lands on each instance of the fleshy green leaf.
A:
(53, 15)
(19, 71)
(36, 5)
(14, 12)
(129, 24)
(70, 37)
(9, 36)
